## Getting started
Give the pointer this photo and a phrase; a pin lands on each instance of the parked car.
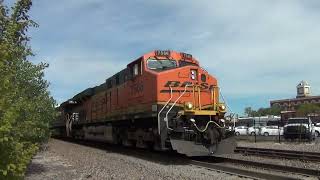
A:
(241, 130)
(254, 130)
(299, 128)
(317, 130)
(271, 131)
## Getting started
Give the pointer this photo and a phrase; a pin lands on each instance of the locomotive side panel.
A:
(133, 94)
(99, 107)
(87, 109)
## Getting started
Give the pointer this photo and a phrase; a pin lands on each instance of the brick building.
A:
(303, 97)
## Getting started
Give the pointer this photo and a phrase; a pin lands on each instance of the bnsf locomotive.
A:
(163, 100)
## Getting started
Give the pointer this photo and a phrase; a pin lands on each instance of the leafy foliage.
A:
(304, 110)
(26, 107)
(262, 111)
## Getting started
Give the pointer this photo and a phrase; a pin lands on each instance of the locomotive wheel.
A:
(116, 136)
(157, 143)
(125, 141)
(213, 134)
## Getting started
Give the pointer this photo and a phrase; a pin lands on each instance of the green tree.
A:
(262, 111)
(305, 109)
(248, 111)
(26, 107)
(274, 110)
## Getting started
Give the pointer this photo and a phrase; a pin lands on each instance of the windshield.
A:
(161, 65)
(298, 121)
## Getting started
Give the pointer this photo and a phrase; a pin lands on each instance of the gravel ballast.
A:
(65, 160)
(307, 147)
(278, 161)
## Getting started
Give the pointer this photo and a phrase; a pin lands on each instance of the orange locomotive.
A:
(163, 100)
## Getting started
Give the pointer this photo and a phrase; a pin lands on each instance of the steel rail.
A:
(240, 172)
(276, 153)
(273, 167)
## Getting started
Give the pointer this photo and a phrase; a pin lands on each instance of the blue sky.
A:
(259, 50)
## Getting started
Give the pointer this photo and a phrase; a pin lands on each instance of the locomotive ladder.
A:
(159, 129)
(166, 118)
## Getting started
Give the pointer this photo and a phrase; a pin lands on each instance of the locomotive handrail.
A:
(206, 127)
(197, 100)
(166, 118)
(68, 124)
(213, 97)
(199, 97)
(163, 109)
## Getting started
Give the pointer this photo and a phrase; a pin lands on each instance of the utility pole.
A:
(254, 127)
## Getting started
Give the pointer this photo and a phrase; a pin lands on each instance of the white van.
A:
(241, 130)
(317, 130)
(271, 131)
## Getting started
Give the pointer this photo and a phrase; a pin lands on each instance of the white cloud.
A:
(256, 45)
(255, 48)
(73, 71)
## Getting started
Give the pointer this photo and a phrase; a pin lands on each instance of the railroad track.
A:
(219, 164)
(276, 153)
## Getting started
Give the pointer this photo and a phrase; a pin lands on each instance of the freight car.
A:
(163, 100)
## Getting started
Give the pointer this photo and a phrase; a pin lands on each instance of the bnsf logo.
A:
(179, 84)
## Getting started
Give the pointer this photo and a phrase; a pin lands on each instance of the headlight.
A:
(189, 106)
(222, 107)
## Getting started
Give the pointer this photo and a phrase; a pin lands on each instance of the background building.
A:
(303, 97)
(289, 106)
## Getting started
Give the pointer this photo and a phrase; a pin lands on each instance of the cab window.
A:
(135, 69)
(186, 63)
(298, 121)
(161, 65)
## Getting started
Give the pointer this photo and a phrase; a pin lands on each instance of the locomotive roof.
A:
(180, 56)
(120, 75)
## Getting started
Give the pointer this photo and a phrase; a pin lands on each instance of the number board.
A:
(162, 53)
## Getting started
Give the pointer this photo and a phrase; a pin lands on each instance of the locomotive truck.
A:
(163, 100)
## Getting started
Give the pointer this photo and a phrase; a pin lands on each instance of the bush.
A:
(26, 107)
